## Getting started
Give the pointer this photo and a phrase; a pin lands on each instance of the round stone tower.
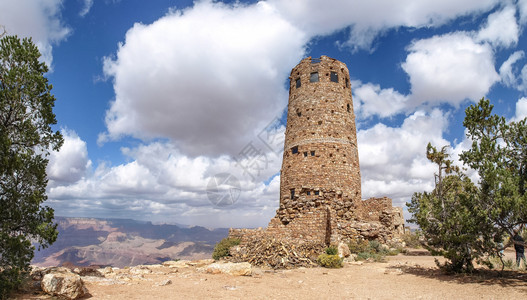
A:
(320, 151)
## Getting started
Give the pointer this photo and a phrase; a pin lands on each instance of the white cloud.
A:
(205, 85)
(521, 109)
(522, 85)
(39, 19)
(86, 8)
(522, 7)
(369, 18)
(449, 68)
(369, 99)
(507, 71)
(70, 163)
(161, 184)
(392, 159)
(501, 29)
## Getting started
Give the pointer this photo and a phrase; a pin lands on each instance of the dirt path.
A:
(402, 277)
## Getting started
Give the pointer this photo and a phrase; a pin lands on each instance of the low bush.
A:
(222, 248)
(357, 246)
(375, 251)
(329, 261)
(332, 250)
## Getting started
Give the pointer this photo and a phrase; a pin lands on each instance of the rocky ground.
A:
(401, 277)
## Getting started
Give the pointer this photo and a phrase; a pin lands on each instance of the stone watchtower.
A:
(320, 181)
(320, 151)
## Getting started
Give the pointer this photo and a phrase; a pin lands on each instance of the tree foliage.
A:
(26, 137)
(499, 155)
(447, 217)
(462, 221)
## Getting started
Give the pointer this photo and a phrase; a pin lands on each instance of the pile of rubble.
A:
(276, 254)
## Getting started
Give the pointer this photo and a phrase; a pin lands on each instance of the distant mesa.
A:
(125, 242)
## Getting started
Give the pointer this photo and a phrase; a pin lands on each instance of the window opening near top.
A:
(348, 107)
(308, 193)
(313, 77)
(298, 83)
(317, 193)
(312, 153)
(294, 150)
(334, 77)
(292, 193)
(347, 83)
(305, 154)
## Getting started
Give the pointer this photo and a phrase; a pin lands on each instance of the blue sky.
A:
(156, 98)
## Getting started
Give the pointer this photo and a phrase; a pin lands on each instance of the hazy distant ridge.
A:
(126, 242)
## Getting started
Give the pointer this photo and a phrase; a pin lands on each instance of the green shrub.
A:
(332, 250)
(222, 248)
(357, 246)
(329, 261)
(375, 247)
(377, 257)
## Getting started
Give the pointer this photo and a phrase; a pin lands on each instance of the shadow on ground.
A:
(507, 278)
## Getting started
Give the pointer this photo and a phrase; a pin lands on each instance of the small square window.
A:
(334, 77)
(317, 193)
(294, 150)
(305, 154)
(313, 77)
(312, 153)
(309, 193)
(298, 83)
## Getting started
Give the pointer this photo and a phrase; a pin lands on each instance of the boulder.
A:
(176, 264)
(201, 262)
(343, 250)
(236, 269)
(139, 270)
(64, 284)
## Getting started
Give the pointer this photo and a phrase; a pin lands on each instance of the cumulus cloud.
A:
(39, 19)
(369, 18)
(159, 183)
(369, 99)
(205, 85)
(449, 68)
(71, 162)
(521, 109)
(501, 29)
(392, 159)
(522, 7)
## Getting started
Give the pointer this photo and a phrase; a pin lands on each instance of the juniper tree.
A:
(499, 155)
(447, 216)
(26, 137)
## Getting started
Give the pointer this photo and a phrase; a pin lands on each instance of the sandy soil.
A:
(401, 277)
